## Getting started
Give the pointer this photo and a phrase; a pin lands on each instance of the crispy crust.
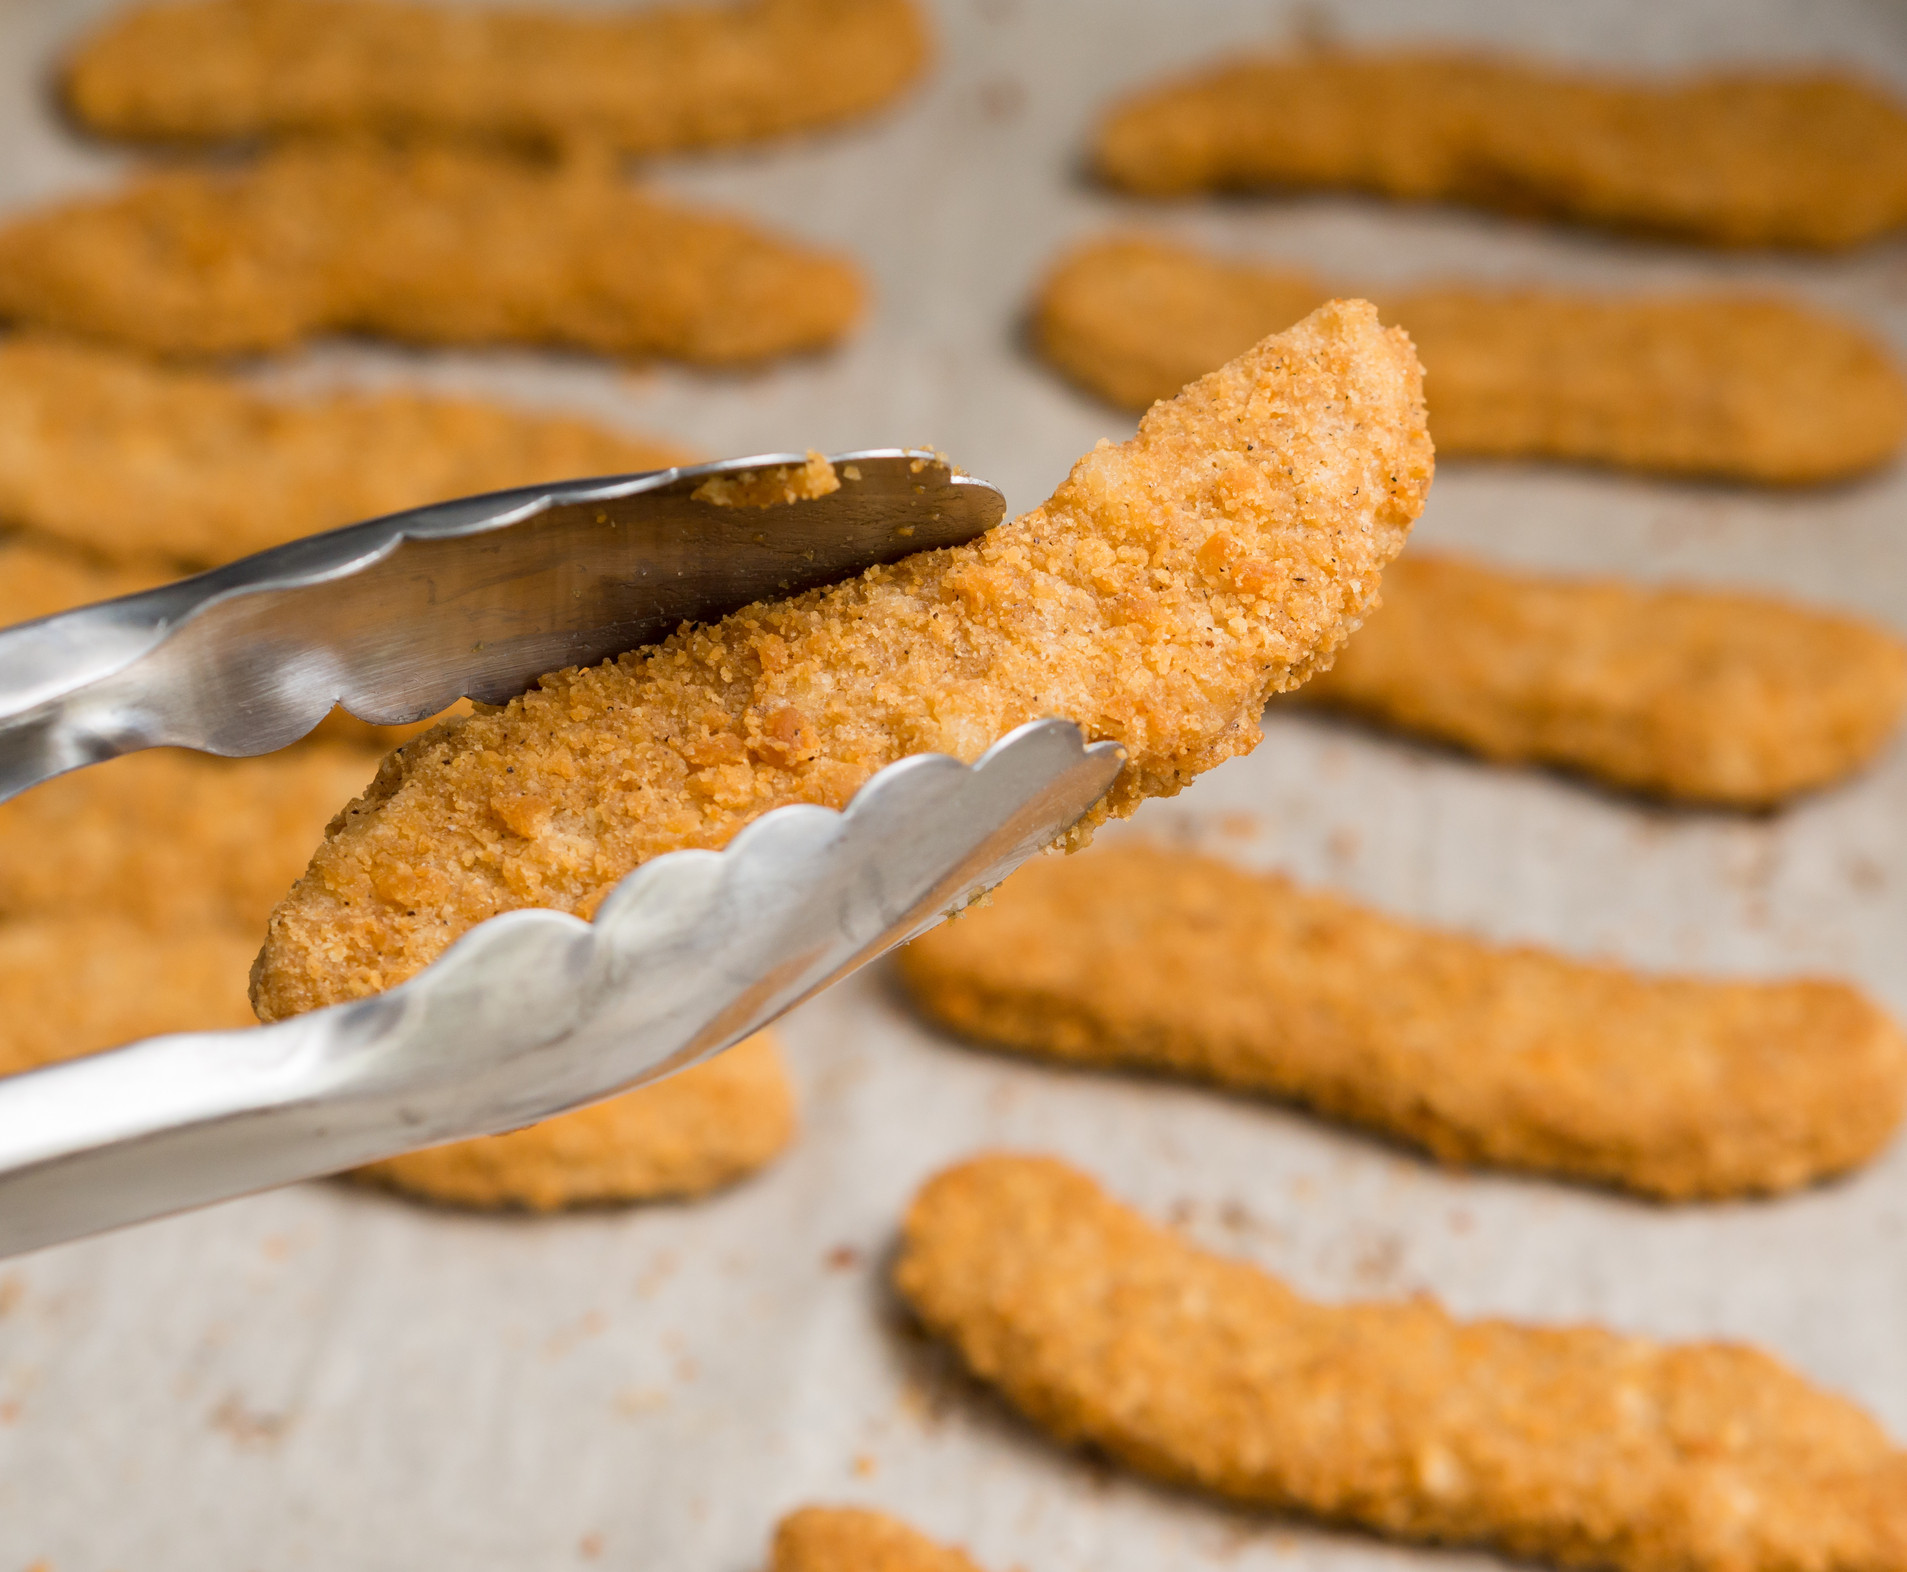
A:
(1695, 695)
(1677, 1087)
(1573, 1445)
(429, 246)
(695, 1132)
(133, 462)
(1742, 158)
(853, 1539)
(1728, 386)
(1158, 597)
(661, 78)
(172, 840)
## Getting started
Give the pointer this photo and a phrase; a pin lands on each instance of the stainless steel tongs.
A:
(533, 1012)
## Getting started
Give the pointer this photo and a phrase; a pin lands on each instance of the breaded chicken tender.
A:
(647, 80)
(1682, 1088)
(1572, 1445)
(131, 461)
(1162, 593)
(1729, 158)
(430, 246)
(171, 839)
(75, 982)
(853, 1539)
(1726, 386)
(694, 1132)
(1694, 695)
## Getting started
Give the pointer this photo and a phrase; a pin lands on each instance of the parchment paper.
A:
(324, 1379)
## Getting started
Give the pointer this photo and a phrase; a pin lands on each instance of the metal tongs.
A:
(533, 1012)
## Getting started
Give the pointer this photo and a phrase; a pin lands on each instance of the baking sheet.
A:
(323, 1378)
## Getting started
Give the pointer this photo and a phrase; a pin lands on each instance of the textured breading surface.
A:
(131, 461)
(694, 1132)
(1731, 386)
(1735, 158)
(641, 81)
(1698, 695)
(853, 1539)
(429, 246)
(1574, 1445)
(1678, 1087)
(173, 840)
(1165, 589)
(76, 982)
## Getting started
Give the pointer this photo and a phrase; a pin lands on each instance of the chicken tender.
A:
(1725, 386)
(852, 1539)
(1165, 589)
(694, 1132)
(1681, 1088)
(1727, 158)
(173, 840)
(644, 81)
(132, 462)
(1694, 695)
(1573, 1445)
(431, 246)
(72, 983)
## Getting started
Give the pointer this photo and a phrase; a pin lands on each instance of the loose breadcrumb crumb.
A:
(770, 488)
(428, 246)
(1729, 386)
(1573, 1445)
(1732, 158)
(1157, 598)
(1677, 1087)
(1695, 695)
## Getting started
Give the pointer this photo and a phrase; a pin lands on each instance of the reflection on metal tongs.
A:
(533, 1012)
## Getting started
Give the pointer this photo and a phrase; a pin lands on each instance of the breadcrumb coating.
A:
(1726, 386)
(853, 1539)
(132, 461)
(644, 81)
(694, 1132)
(1700, 696)
(428, 246)
(1573, 1445)
(173, 840)
(1810, 158)
(1162, 593)
(76, 982)
(1681, 1088)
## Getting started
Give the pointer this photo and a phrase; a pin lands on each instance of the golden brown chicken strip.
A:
(1730, 158)
(1694, 695)
(694, 1132)
(1573, 1445)
(1677, 1087)
(1729, 386)
(132, 461)
(72, 983)
(642, 81)
(1166, 588)
(853, 1539)
(173, 840)
(427, 246)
